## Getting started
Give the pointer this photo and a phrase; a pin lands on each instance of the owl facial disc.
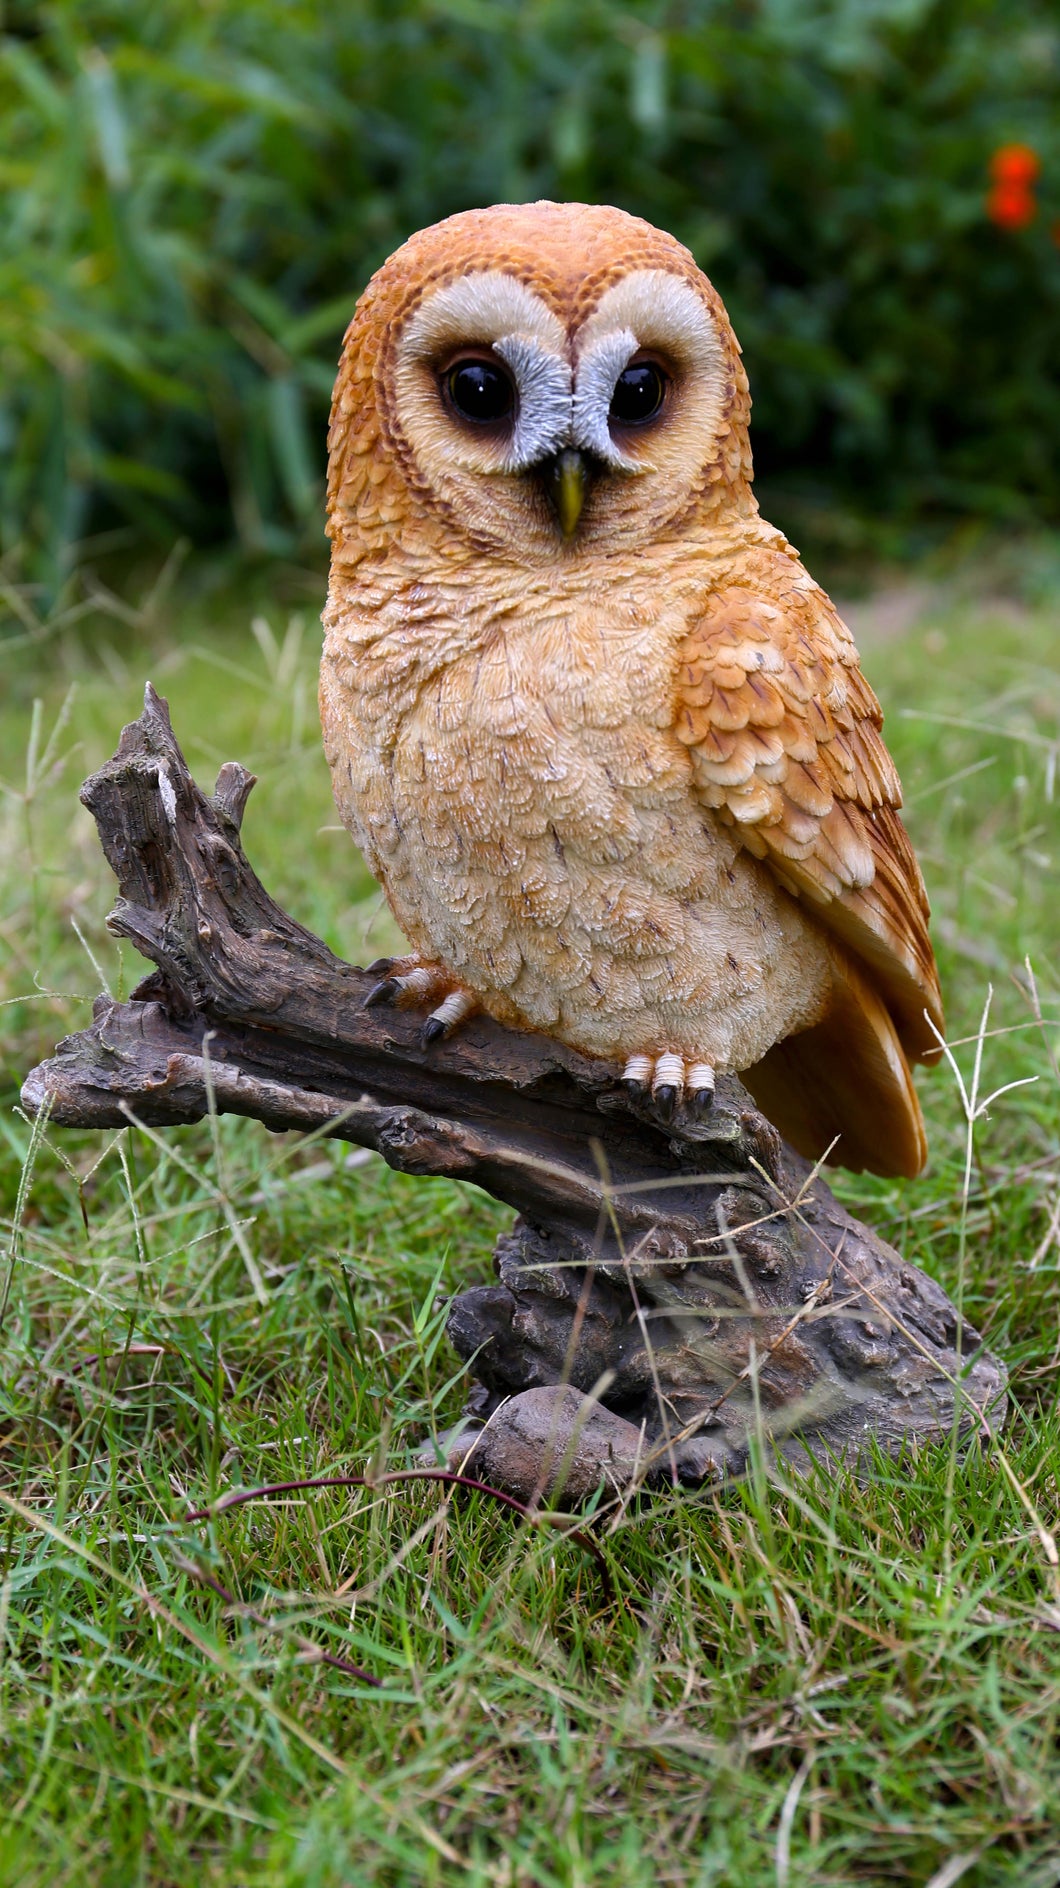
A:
(492, 385)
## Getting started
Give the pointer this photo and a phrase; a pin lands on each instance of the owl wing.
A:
(784, 736)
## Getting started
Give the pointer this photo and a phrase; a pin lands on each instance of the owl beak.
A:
(566, 482)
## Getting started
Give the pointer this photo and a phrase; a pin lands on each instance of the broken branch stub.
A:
(665, 1295)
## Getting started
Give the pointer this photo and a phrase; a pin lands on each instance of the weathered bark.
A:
(665, 1294)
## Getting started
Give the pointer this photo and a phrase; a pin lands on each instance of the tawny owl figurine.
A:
(602, 738)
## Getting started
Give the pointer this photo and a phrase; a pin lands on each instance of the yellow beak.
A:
(567, 481)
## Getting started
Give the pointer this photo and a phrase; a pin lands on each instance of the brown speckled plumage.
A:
(628, 789)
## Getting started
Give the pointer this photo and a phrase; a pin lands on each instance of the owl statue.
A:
(603, 740)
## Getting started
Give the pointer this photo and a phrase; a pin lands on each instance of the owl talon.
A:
(636, 1076)
(416, 983)
(412, 982)
(456, 1009)
(668, 1083)
(383, 992)
(699, 1081)
(669, 1078)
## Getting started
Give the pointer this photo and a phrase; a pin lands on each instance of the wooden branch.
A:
(696, 1278)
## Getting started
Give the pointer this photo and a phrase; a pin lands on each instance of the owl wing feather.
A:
(784, 736)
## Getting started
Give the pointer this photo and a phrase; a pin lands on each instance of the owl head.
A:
(544, 381)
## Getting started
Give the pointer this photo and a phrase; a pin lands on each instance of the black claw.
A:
(381, 966)
(432, 1029)
(703, 1100)
(636, 1090)
(383, 992)
(665, 1099)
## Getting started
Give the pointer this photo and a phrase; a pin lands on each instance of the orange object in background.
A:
(1011, 206)
(1014, 169)
(1015, 164)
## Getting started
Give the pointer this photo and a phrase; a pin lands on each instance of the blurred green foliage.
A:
(194, 192)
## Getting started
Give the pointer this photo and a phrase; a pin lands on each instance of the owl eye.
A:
(480, 391)
(639, 393)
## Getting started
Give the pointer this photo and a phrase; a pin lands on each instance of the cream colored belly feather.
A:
(529, 811)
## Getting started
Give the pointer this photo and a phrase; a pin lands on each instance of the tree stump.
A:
(667, 1293)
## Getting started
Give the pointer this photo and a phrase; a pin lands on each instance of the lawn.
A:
(796, 1682)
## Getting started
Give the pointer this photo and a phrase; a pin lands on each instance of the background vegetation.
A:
(194, 194)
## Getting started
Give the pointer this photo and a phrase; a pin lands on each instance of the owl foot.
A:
(669, 1077)
(409, 982)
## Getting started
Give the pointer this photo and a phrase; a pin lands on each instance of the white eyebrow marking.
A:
(599, 366)
(544, 383)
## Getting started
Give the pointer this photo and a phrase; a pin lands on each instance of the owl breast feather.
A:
(530, 814)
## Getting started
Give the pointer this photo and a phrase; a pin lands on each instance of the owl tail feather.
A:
(846, 1080)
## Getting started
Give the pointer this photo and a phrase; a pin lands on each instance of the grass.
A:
(798, 1682)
